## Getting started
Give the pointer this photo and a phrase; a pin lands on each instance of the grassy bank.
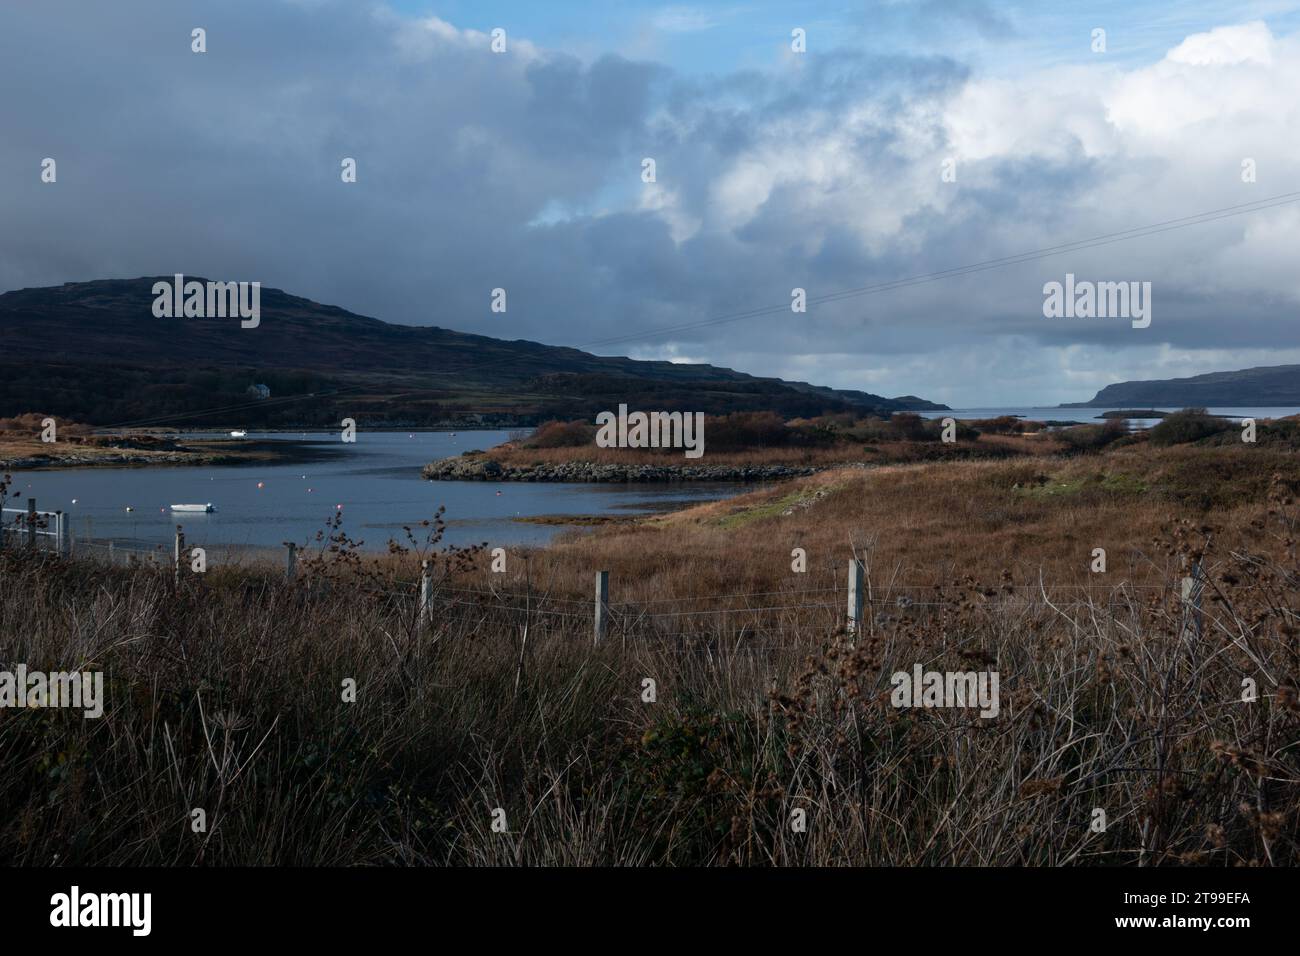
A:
(766, 441)
(226, 693)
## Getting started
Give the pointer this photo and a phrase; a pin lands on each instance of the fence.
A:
(29, 528)
(50, 531)
(604, 613)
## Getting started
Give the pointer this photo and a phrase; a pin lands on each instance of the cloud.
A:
(522, 170)
(684, 20)
(1226, 46)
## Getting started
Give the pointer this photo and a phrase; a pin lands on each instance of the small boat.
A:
(238, 434)
(203, 509)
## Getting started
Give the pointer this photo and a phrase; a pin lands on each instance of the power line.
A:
(959, 271)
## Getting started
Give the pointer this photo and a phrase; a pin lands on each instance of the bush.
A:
(31, 423)
(556, 434)
(703, 770)
(1189, 425)
(1007, 425)
(911, 427)
(742, 430)
(1085, 438)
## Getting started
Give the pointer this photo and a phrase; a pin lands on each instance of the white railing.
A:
(23, 527)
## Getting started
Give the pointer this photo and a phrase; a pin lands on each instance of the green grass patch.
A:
(776, 507)
(1100, 482)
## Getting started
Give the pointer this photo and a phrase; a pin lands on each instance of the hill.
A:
(95, 352)
(1251, 387)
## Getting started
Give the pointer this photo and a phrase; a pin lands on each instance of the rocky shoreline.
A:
(481, 468)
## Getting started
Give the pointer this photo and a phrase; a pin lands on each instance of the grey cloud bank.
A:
(522, 170)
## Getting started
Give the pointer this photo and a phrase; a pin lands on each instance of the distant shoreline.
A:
(317, 429)
(35, 456)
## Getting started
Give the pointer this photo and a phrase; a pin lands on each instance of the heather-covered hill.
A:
(94, 351)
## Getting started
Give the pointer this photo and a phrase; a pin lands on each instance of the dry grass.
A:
(985, 447)
(931, 524)
(225, 693)
(14, 449)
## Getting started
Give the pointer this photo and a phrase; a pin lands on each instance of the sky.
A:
(907, 138)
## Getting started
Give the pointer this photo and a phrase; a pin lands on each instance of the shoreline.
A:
(480, 468)
(194, 454)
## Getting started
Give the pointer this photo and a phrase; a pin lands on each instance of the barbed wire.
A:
(539, 605)
(541, 596)
(629, 611)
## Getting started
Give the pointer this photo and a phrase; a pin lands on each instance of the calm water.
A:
(1094, 414)
(376, 480)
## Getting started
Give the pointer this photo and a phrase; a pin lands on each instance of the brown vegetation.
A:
(225, 692)
(77, 444)
(764, 438)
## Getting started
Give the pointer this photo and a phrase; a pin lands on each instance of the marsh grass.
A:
(225, 692)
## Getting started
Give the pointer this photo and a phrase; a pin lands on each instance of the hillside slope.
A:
(95, 351)
(1251, 387)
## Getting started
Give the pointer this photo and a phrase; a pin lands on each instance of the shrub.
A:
(1007, 425)
(911, 427)
(1189, 425)
(31, 423)
(703, 770)
(556, 434)
(1279, 433)
(741, 430)
(1085, 438)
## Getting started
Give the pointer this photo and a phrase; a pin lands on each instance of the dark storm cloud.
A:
(523, 171)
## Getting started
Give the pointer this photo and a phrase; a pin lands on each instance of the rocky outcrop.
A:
(482, 468)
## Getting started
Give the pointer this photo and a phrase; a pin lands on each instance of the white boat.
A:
(239, 434)
(204, 509)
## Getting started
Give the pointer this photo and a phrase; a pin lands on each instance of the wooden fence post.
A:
(64, 539)
(856, 591)
(180, 550)
(291, 562)
(426, 592)
(31, 523)
(1193, 584)
(602, 606)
